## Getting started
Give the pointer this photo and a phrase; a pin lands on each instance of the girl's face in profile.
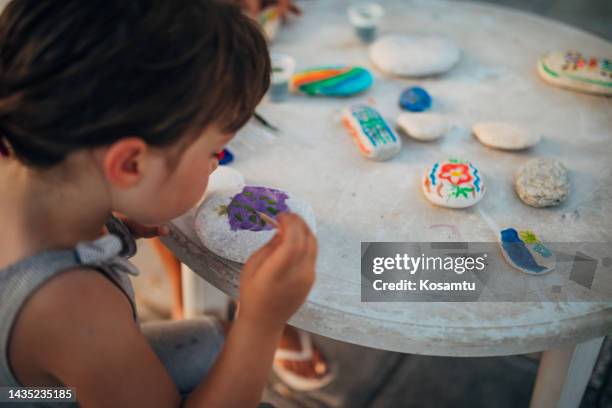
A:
(181, 186)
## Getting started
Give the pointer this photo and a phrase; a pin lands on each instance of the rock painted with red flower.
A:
(229, 222)
(453, 183)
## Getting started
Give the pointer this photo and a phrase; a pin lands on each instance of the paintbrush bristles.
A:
(268, 219)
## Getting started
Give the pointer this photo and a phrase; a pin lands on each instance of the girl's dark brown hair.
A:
(77, 74)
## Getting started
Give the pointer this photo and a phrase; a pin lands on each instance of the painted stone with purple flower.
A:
(243, 211)
(230, 225)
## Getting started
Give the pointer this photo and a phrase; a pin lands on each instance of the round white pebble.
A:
(542, 183)
(414, 55)
(504, 135)
(423, 126)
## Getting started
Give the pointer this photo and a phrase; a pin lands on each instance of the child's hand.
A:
(285, 7)
(276, 279)
(140, 230)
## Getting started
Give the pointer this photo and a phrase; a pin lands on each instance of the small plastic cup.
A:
(365, 19)
(283, 67)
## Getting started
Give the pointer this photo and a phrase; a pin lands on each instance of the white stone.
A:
(577, 72)
(215, 233)
(453, 183)
(414, 55)
(423, 126)
(371, 133)
(542, 183)
(505, 135)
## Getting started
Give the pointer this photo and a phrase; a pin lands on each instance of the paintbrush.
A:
(268, 219)
(264, 122)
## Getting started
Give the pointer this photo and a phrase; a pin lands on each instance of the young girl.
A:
(121, 106)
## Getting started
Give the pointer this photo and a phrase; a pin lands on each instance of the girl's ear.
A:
(124, 161)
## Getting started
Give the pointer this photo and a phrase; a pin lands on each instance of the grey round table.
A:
(356, 200)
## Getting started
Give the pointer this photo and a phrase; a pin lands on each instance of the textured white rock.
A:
(213, 229)
(423, 126)
(504, 135)
(414, 55)
(542, 182)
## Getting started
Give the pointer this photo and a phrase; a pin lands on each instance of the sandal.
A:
(296, 381)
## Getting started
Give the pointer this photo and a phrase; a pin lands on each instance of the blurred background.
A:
(594, 16)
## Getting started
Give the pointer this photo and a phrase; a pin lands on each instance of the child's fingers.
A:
(291, 229)
(146, 231)
(252, 7)
(260, 256)
(292, 247)
(288, 248)
(283, 7)
(286, 6)
(295, 9)
(310, 255)
(142, 231)
(312, 246)
(306, 233)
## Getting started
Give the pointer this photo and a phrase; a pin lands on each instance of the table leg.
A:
(200, 297)
(172, 266)
(564, 373)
